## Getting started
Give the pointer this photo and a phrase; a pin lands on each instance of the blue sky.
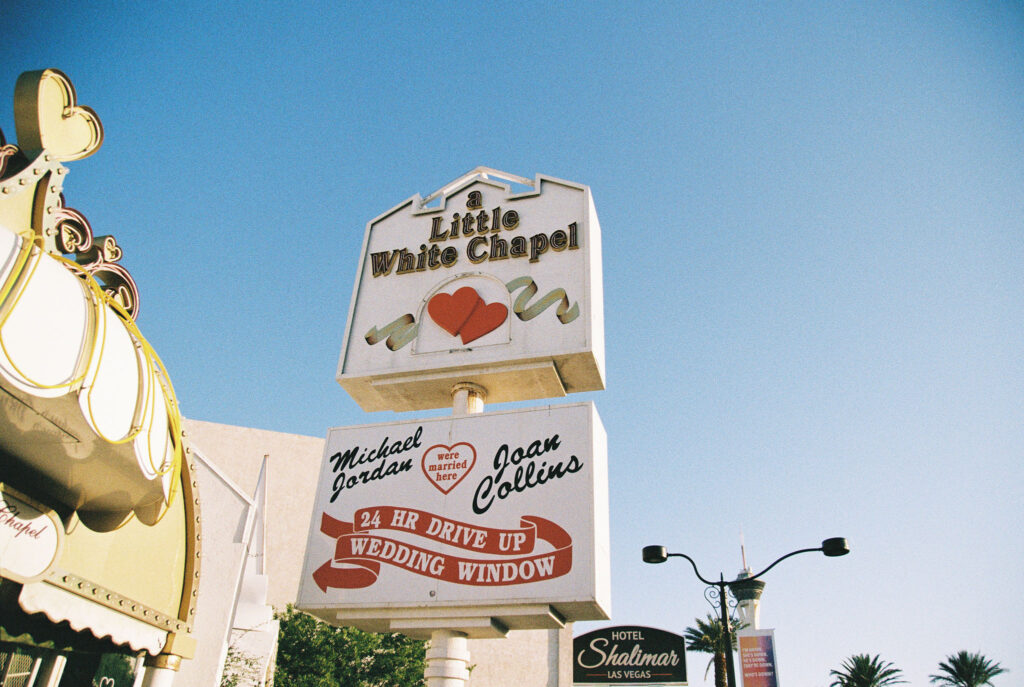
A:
(812, 222)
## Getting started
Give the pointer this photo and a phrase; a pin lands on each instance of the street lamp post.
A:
(836, 546)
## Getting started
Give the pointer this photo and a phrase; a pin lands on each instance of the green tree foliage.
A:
(706, 636)
(311, 653)
(863, 670)
(964, 669)
(115, 670)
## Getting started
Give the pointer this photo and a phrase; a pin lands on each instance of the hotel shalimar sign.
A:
(477, 523)
(487, 286)
(629, 655)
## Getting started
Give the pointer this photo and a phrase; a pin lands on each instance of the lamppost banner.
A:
(757, 658)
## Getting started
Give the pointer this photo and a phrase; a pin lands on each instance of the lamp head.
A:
(836, 546)
(655, 554)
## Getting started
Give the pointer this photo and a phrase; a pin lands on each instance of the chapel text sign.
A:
(31, 536)
(462, 515)
(629, 655)
(489, 286)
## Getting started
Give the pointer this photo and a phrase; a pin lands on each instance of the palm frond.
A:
(864, 670)
(964, 669)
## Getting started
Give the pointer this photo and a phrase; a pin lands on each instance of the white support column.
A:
(140, 669)
(160, 670)
(158, 677)
(36, 663)
(447, 659)
(468, 398)
(51, 670)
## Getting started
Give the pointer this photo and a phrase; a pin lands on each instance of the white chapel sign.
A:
(497, 515)
(490, 286)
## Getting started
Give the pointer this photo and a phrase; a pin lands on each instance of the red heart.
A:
(484, 319)
(450, 312)
(446, 466)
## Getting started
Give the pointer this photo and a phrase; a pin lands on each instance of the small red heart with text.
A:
(446, 466)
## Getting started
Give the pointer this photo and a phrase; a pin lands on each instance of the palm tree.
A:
(863, 670)
(707, 637)
(965, 669)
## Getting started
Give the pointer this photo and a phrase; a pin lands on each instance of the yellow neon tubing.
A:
(16, 270)
(135, 429)
(155, 370)
(170, 403)
(14, 304)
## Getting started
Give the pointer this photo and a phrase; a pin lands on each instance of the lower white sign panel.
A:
(496, 511)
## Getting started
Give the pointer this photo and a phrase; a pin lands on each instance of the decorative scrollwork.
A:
(104, 249)
(74, 234)
(119, 285)
(98, 256)
(713, 597)
(7, 151)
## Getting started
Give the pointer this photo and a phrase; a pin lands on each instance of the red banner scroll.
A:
(359, 552)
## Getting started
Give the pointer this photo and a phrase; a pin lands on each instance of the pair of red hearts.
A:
(465, 314)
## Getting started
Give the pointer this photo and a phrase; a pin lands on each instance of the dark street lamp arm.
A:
(835, 546)
(695, 571)
(777, 561)
(752, 577)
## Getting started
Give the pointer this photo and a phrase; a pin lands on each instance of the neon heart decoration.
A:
(47, 117)
(111, 251)
(446, 466)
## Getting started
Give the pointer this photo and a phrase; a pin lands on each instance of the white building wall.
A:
(530, 658)
(225, 529)
(293, 462)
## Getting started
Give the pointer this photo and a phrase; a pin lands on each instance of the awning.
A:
(82, 614)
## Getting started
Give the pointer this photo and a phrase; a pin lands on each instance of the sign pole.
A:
(468, 398)
(447, 659)
(448, 655)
